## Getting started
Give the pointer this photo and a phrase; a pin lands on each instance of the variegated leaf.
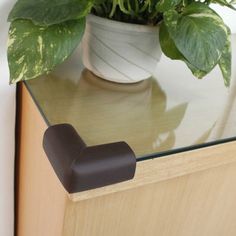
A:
(165, 5)
(225, 61)
(170, 50)
(34, 50)
(199, 34)
(49, 12)
(168, 45)
(196, 72)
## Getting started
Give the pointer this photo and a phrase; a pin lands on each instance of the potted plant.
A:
(121, 39)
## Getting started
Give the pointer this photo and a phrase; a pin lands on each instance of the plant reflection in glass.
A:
(104, 112)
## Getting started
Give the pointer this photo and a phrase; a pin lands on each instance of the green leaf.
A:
(167, 44)
(199, 34)
(170, 50)
(225, 61)
(165, 5)
(196, 72)
(49, 12)
(34, 50)
(99, 2)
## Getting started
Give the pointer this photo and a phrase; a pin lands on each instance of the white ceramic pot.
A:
(120, 52)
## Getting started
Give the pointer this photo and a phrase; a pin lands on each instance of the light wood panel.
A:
(42, 199)
(199, 204)
(186, 194)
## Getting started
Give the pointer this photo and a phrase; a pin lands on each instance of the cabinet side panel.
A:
(198, 204)
(41, 198)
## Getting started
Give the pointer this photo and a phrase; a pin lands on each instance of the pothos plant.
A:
(44, 33)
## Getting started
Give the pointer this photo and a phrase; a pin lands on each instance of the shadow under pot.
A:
(120, 52)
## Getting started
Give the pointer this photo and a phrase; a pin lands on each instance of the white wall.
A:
(7, 127)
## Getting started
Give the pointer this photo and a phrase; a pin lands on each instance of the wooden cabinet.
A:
(187, 193)
(181, 130)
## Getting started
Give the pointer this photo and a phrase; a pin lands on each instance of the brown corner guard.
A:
(81, 168)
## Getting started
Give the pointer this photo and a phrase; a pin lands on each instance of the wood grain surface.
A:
(185, 194)
(42, 199)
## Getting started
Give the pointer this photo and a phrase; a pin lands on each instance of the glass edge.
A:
(185, 149)
(36, 103)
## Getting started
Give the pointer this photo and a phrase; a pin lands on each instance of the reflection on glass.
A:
(104, 112)
(170, 111)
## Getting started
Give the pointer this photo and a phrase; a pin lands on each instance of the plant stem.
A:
(114, 4)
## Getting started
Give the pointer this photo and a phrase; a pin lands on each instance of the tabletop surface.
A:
(171, 112)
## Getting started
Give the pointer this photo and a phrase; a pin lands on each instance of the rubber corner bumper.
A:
(80, 167)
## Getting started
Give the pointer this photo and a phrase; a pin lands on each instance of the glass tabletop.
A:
(168, 113)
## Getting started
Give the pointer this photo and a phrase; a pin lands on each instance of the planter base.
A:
(120, 52)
